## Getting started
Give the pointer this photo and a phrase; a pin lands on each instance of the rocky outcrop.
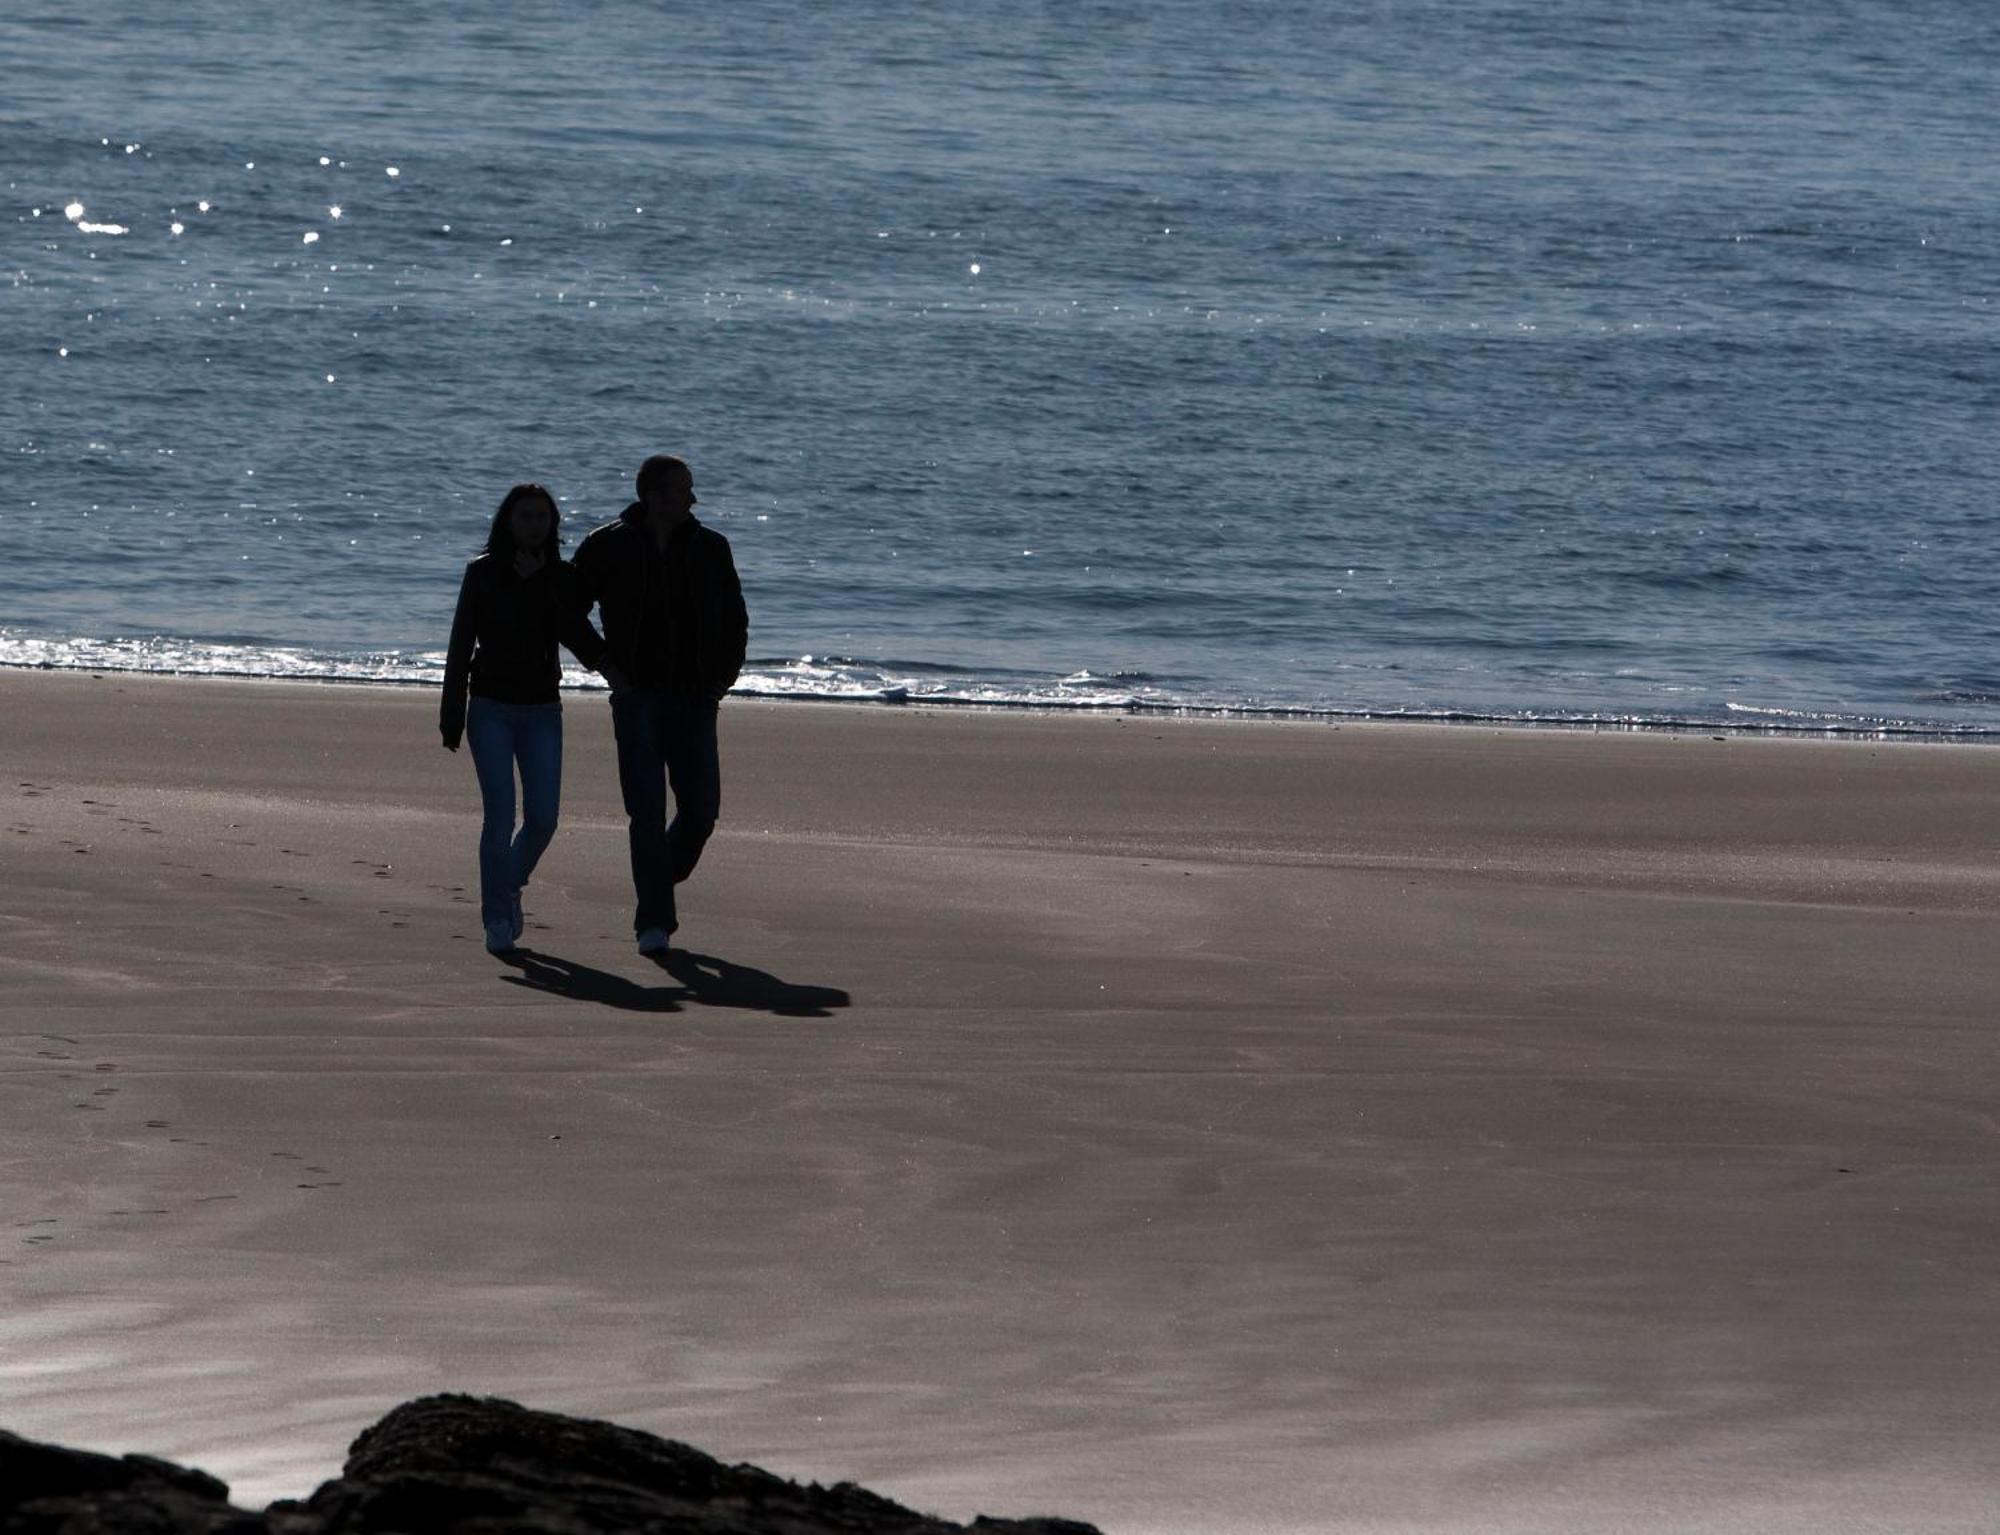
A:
(460, 1465)
(47, 1490)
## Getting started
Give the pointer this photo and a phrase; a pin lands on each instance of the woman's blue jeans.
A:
(502, 736)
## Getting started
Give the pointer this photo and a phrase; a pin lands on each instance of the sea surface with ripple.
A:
(1594, 362)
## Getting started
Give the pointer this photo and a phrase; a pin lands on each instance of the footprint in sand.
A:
(293, 1156)
(158, 1124)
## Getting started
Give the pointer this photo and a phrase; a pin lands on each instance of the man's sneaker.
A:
(498, 939)
(519, 922)
(653, 941)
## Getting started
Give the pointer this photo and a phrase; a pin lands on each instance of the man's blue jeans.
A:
(665, 740)
(501, 736)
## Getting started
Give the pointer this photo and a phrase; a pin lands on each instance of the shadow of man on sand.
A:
(700, 978)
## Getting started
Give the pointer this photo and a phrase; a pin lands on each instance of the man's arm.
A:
(585, 586)
(577, 597)
(732, 621)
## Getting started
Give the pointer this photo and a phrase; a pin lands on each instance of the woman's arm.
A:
(458, 664)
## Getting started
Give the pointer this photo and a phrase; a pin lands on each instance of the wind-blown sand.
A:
(1185, 1126)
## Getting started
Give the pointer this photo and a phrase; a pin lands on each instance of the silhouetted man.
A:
(674, 636)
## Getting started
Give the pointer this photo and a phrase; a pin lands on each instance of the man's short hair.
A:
(663, 471)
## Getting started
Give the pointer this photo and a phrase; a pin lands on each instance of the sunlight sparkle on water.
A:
(73, 212)
(392, 171)
(311, 237)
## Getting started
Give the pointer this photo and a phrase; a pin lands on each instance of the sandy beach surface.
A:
(1188, 1126)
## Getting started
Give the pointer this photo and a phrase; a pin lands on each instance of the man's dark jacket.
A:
(672, 621)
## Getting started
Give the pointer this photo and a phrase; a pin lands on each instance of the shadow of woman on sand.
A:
(700, 978)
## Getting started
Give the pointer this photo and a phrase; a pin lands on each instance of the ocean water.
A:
(1587, 360)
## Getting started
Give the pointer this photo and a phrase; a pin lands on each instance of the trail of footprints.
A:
(44, 1230)
(397, 918)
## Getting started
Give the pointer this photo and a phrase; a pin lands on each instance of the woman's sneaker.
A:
(653, 941)
(498, 939)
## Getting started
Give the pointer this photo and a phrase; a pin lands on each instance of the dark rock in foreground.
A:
(460, 1465)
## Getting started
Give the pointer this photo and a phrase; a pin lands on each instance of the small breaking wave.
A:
(854, 680)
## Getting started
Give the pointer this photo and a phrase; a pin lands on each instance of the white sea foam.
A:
(823, 680)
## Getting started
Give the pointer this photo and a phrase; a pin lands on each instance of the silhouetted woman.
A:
(514, 605)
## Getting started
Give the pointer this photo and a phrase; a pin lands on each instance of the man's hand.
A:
(450, 740)
(614, 676)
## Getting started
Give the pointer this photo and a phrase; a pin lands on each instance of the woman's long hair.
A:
(500, 537)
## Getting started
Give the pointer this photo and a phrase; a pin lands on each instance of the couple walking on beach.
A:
(675, 629)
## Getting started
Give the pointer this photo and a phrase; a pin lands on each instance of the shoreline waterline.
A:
(896, 700)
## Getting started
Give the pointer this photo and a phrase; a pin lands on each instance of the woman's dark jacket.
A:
(504, 636)
(672, 621)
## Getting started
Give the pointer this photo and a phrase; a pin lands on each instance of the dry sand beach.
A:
(1185, 1126)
